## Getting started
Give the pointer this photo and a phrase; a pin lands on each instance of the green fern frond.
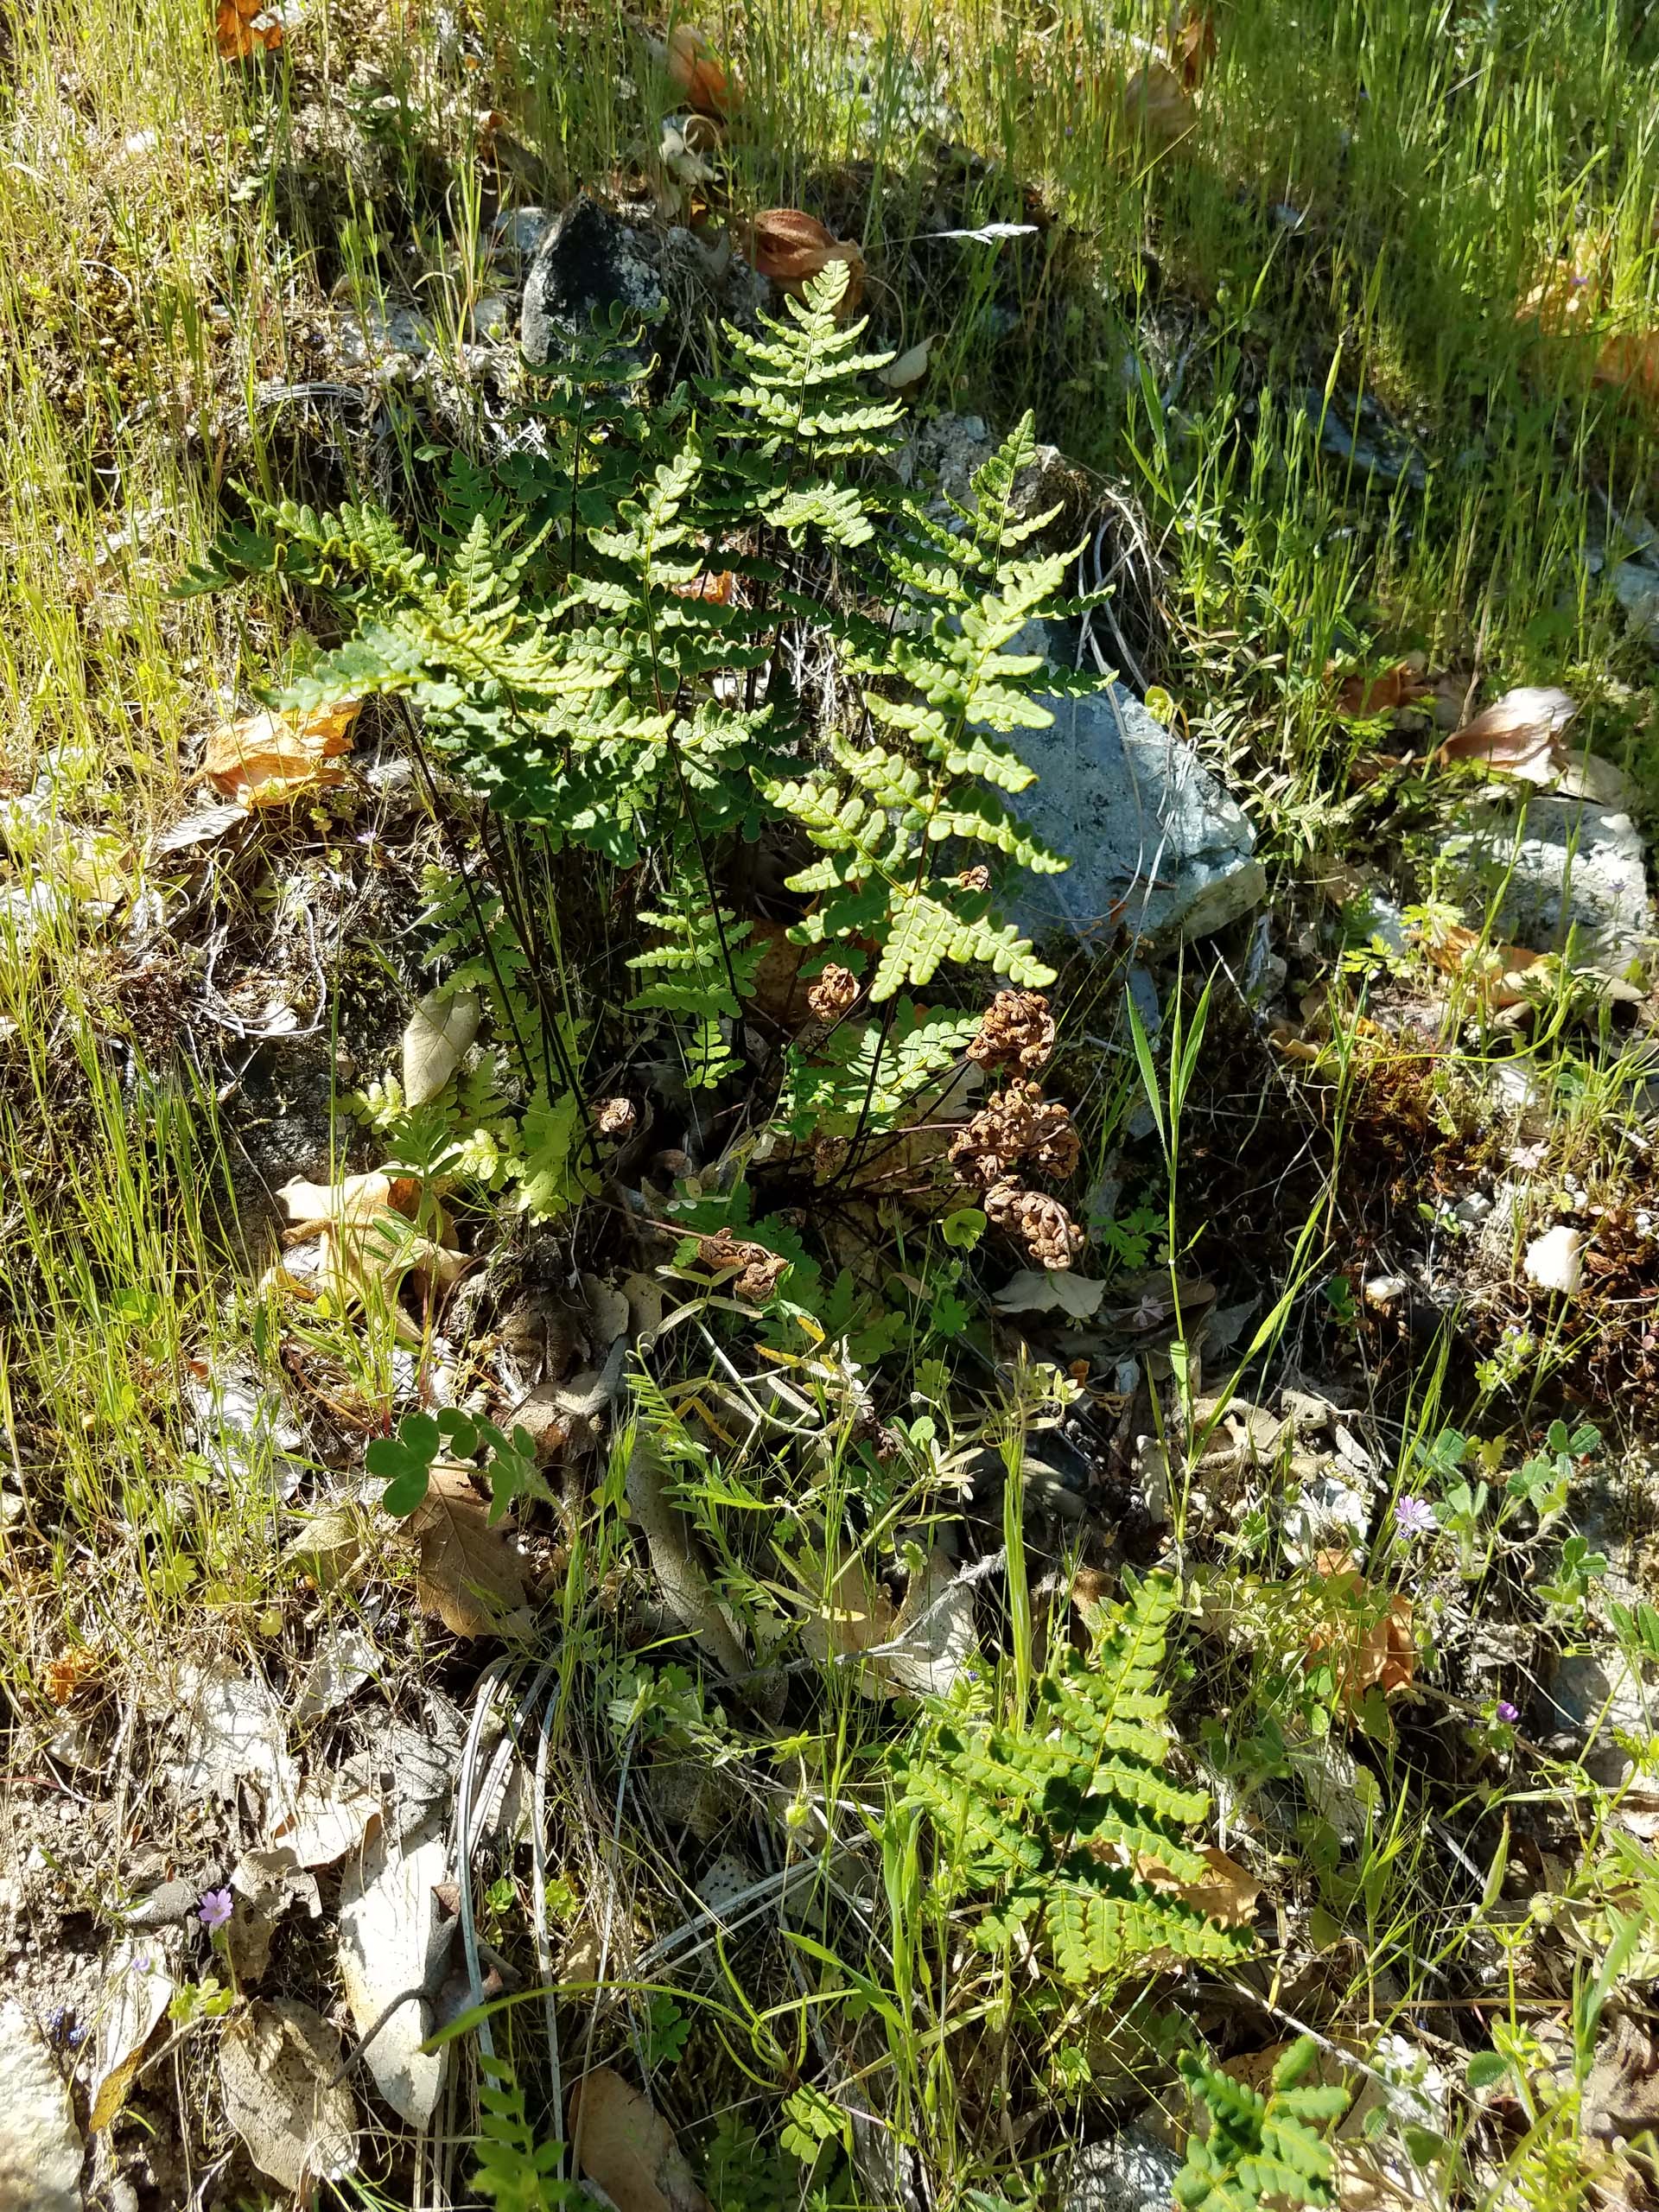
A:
(514, 2173)
(857, 1074)
(1073, 1812)
(1260, 2149)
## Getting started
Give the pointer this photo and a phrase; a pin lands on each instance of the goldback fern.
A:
(592, 638)
(1068, 1820)
(1262, 2149)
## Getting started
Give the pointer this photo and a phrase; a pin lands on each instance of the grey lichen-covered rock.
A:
(1130, 2171)
(589, 262)
(1603, 1695)
(1553, 868)
(40, 2143)
(1158, 847)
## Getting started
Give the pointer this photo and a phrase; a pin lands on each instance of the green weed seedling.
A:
(404, 1460)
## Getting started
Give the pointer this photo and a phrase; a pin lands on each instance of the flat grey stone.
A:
(1635, 587)
(1557, 867)
(1157, 846)
(1584, 1689)
(1130, 2171)
(589, 262)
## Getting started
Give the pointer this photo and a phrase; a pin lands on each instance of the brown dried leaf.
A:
(138, 1987)
(1517, 734)
(469, 1577)
(313, 1207)
(268, 758)
(1194, 46)
(1227, 1892)
(790, 248)
(627, 2148)
(1498, 971)
(276, 2065)
(1362, 696)
(852, 1614)
(1370, 1649)
(62, 1678)
(696, 71)
(1157, 106)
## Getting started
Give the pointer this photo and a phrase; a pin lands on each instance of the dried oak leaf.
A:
(469, 1575)
(267, 759)
(696, 71)
(1226, 1891)
(243, 28)
(1017, 1032)
(627, 2147)
(760, 1271)
(1041, 1224)
(276, 2067)
(791, 248)
(1518, 733)
(1369, 1649)
(1017, 1124)
(1157, 107)
(1498, 972)
(834, 992)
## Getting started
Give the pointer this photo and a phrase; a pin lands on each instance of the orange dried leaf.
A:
(269, 758)
(1498, 971)
(1361, 697)
(243, 28)
(1631, 362)
(1369, 1649)
(1157, 107)
(696, 71)
(791, 248)
(718, 588)
(1194, 46)
(1227, 1891)
(60, 1678)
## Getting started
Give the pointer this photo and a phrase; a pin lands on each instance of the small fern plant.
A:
(599, 639)
(515, 2173)
(1068, 1822)
(1261, 2150)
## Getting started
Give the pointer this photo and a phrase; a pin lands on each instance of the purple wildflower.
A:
(1414, 1517)
(215, 1908)
(1508, 1713)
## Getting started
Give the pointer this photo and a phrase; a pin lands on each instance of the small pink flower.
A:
(215, 1908)
(1508, 1713)
(1414, 1517)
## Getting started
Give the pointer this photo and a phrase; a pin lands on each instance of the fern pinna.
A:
(594, 635)
(1069, 1821)
(1261, 2150)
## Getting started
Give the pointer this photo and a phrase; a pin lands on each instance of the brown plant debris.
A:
(760, 1271)
(616, 1118)
(834, 993)
(1040, 1224)
(1018, 1124)
(1017, 1032)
